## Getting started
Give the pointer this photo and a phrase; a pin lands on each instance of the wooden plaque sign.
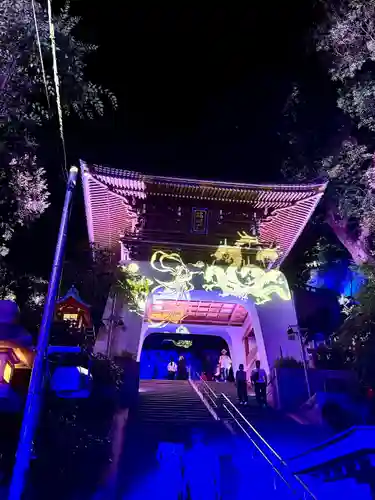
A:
(199, 221)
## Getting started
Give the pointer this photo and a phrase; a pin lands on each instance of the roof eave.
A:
(85, 173)
(318, 197)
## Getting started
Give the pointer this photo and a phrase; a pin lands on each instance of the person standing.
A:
(241, 384)
(172, 369)
(259, 381)
(182, 373)
(225, 364)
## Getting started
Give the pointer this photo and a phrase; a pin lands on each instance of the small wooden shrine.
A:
(71, 308)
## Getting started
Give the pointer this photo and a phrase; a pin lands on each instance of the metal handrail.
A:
(254, 430)
(275, 469)
(274, 453)
(215, 397)
(211, 393)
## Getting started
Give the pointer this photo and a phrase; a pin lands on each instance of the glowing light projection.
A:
(185, 344)
(249, 281)
(182, 329)
(244, 281)
(267, 255)
(135, 287)
(234, 279)
(180, 283)
(229, 274)
(178, 286)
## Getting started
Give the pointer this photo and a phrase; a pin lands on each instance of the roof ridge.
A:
(132, 174)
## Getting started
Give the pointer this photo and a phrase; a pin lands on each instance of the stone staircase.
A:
(170, 411)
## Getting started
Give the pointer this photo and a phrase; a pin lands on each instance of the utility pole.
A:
(35, 393)
(296, 330)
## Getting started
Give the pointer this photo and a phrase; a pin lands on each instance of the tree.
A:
(28, 100)
(92, 271)
(318, 260)
(347, 37)
(349, 202)
(357, 334)
(23, 195)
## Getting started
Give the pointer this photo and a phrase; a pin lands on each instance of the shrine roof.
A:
(108, 193)
(72, 293)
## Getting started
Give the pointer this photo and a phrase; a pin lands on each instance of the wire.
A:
(56, 81)
(40, 53)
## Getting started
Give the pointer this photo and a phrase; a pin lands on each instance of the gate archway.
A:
(201, 353)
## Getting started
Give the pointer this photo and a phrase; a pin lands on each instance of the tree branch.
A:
(356, 247)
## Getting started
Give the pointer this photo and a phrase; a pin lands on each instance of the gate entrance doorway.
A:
(201, 353)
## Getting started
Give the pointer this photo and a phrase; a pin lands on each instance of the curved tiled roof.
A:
(108, 193)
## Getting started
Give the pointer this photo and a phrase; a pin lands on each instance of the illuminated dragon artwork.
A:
(228, 274)
(244, 281)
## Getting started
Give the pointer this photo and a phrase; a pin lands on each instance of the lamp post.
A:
(296, 330)
(34, 396)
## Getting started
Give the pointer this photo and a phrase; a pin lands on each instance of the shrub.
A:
(74, 442)
(288, 362)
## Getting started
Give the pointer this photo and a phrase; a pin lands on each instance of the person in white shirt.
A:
(225, 363)
(259, 381)
(172, 369)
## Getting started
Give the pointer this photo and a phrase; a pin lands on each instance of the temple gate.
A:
(198, 257)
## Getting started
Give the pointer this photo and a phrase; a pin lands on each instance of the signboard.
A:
(199, 221)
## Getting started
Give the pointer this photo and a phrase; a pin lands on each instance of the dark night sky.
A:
(200, 89)
(200, 93)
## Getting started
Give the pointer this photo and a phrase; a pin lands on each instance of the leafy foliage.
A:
(92, 271)
(24, 107)
(349, 204)
(74, 447)
(347, 36)
(288, 362)
(23, 196)
(360, 324)
(135, 288)
(330, 358)
(23, 92)
(357, 334)
(28, 291)
(318, 259)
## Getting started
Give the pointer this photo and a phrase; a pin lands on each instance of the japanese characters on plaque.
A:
(199, 221)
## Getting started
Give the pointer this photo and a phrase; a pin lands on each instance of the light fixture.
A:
(7, 362)
(8, 372)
